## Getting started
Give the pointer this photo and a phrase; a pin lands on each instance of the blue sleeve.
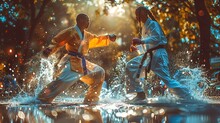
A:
(155, 34)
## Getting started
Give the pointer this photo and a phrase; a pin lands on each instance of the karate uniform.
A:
(74, 66)
(152, 36)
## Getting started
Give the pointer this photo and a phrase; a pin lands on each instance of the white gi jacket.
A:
(152, 36)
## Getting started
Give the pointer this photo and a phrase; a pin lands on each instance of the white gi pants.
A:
(67, 78)
(159, 66)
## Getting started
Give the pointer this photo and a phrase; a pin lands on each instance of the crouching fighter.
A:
(74, 66)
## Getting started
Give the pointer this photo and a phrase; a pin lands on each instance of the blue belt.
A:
(83, 60)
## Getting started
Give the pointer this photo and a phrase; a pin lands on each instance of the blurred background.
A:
(192, 28)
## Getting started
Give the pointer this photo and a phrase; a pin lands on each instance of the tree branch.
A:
(189, 6)
(45, 2)
(32, 7)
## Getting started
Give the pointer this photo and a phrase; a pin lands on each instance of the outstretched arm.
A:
(99, 41)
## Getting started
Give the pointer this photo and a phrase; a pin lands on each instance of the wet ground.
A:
(111, 113)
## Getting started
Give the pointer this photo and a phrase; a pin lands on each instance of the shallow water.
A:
(119, 112)
(23, 108)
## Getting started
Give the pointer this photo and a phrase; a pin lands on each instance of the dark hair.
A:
(148, 12)
(80, 17)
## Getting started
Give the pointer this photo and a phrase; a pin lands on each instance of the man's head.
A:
(141, 14)
(82, 21)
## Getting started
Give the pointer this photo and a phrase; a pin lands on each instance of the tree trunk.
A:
(204, 25)
(33, 21)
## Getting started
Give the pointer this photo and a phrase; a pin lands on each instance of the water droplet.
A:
(54, 113)
(145, 111)
(87, 117)
(21, 114)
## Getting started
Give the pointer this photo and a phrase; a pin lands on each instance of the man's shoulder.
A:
(72, 30)
(69, 30)
(153, 24)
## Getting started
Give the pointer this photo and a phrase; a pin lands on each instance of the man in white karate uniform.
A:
(154, 40)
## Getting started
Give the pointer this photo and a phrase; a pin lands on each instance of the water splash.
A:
(117, 89)
(40, 73)
(194, 79)
(112, 108)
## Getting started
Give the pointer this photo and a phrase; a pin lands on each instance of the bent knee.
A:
(129, 66)
(102, 73)
(99, 72)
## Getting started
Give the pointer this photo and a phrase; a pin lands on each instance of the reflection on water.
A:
(165, 111)
(110, 113)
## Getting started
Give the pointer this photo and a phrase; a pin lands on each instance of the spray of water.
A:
(193, 78)
(117, 88)
(42, 71)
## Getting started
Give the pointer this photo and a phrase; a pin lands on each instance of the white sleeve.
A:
(154, 35)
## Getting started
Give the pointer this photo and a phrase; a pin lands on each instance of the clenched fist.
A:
(112, 37)
(136, 41)
(133, 48)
